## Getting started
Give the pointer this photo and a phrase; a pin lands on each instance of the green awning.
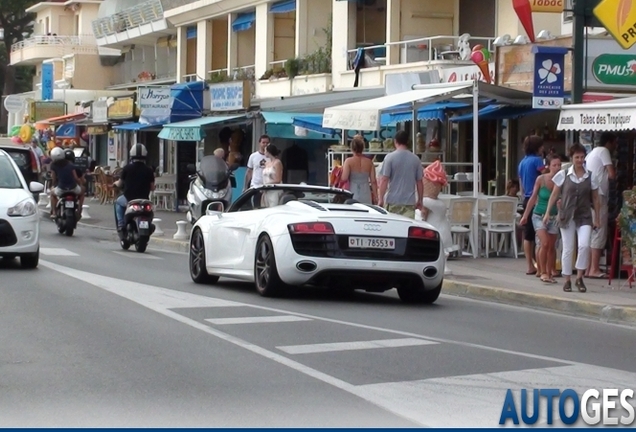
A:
(192, 130)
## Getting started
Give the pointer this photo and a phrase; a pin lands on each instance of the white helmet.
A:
(138, 151)
(57, 153)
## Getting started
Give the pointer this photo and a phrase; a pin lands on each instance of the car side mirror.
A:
(191, 169)
(215, 207)
(233, 182)
(36, 187)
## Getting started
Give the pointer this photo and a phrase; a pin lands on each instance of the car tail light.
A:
(423, 233)
(34, 162)
(311, 228)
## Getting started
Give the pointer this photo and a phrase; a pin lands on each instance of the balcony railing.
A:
(143, 13)
(436, 48)
(56, 41)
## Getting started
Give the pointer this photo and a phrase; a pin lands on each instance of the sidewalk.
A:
(500, 280)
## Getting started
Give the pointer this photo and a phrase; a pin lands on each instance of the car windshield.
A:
(8, 177)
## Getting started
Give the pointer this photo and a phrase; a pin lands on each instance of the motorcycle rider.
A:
(69, 155)
(64, 179)
(137, 181)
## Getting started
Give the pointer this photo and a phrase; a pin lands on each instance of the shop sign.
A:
(182, 133)
(122, 109)
(547, 6)
(155, 97)
(47, 81)
(99, 111)
(548, 84)
(619, 18)
(43, 110)
(615, 69)
(610, 119)
(97, 130)
(465, 73)
(230, 96)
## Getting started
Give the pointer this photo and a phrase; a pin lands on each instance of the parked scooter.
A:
(212, 182)
(66, 213)
(138, 226)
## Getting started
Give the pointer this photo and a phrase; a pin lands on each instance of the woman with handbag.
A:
(359, 172)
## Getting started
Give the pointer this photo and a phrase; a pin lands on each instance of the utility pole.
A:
(583, 16)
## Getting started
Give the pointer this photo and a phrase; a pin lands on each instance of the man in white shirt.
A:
(599, 162)
(255, 165)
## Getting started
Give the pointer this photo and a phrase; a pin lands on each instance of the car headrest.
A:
(287, 198)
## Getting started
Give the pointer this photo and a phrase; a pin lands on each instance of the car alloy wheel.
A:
(267, 281)
(198, 272)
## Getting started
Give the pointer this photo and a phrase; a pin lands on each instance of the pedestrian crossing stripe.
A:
(57, 252)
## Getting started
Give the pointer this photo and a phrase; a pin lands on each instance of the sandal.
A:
(567, 286)
(580, 285)
(548, 280)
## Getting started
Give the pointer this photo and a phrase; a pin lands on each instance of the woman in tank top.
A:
(360, 172)
(578, 190)
(547, 232)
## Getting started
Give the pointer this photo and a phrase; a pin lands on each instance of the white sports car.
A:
(317, 236)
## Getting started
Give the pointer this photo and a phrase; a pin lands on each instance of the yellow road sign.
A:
(549, 6)
(619, 18)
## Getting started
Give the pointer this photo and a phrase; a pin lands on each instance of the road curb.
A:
(600, 311)
(170, 244)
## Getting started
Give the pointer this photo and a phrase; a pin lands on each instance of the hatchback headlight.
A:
(23, 208)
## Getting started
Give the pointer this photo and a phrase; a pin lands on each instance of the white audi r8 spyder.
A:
(320, 236)
(19, 218)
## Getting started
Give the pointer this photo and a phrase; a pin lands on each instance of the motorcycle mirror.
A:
(191, 168)
(215, 207)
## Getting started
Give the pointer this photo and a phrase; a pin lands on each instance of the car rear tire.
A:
(196, 260)
(30, 261)
(266, 278)
(418, 295)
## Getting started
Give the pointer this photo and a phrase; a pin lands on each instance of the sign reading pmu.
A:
(608, 407)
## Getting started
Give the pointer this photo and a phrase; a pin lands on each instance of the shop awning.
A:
(434, 111)
(365, 115)
(313, 122)
(68, 118)
(137, 126)
(187, 100)
(193, 130)
(613, 115)
(244, 21)
(283, 6)
(497, 112)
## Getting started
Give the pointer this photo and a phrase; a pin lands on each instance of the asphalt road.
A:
(101, 337)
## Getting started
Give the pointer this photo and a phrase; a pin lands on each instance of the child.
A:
(513, 188)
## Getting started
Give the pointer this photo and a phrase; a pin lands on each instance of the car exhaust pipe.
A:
(430, 272)
(306, 266)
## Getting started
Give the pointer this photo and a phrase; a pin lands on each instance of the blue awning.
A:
(244, 21)
(283, 6)
(313, 122)
(136, 126)
(187, 100)
(67, 130)
(497, 112)
(434, 111)
(192, 130)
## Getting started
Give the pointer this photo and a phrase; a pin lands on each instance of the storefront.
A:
(98, 130)
(120, 110)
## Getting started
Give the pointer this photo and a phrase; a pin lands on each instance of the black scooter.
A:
(66, 213)
(138, 226)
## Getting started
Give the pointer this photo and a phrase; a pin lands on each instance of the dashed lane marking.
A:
(137, 255)
(351, 346)
(257, 320)
(57, 252)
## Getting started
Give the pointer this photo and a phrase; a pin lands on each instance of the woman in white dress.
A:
(272, 174)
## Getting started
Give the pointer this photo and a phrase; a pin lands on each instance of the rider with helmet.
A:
(64, 179)
(137, 180)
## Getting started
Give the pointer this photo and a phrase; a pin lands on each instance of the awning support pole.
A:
(476, 171)
(414, 130)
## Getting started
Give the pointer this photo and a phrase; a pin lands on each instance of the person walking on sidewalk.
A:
(599, 163)
(547, 233)
(255, 165)
(578, 190)
(530, 167)
(402, 175)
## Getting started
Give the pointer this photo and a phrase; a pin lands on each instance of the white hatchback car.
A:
(19, 218)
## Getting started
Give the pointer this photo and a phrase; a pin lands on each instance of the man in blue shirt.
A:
(530, 167)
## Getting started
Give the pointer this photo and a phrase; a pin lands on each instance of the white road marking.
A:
(57, 252)
(257, 320)
(351, 346)
(417, 401)
(137, 255)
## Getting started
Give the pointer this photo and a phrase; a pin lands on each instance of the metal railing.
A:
(143, 13)
(44, 40)
(240, 72)
(435, 48)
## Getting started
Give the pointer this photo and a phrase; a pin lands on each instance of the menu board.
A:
(81, 163)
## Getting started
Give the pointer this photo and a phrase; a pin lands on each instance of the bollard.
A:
(181, 233)
(158, 231)
(85, 214)
(44, 200)
(48, 204)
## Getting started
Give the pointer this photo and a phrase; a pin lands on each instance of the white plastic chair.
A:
(501, 220)
(460, 217)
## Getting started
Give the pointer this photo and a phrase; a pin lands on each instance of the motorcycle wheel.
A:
(59, 223)
(125, 244)
(69, 232)
(141, 245)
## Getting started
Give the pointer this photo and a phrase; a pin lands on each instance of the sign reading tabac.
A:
(547, 6)
(619, 18)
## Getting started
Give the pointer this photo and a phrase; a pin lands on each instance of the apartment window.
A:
(567, 16)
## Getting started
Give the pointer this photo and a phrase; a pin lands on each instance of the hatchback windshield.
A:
(8, 177)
